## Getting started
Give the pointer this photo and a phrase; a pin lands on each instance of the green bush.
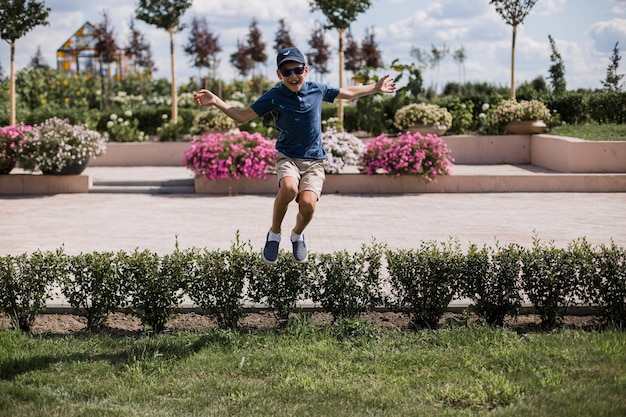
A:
(571, 107)
(280, 287)
(94, 286)
(462, 115)
(25, 284)
(608, 107)
(606, 283)
(549, 280)
(218, 280)
(491, 280)
(348, 284)
(154, 285)
(421, 282)
(424, 281)
(150, 119)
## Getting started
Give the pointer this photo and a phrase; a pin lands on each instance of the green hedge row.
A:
(420, 282)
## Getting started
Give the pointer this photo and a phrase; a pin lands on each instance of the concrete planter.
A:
(32, 184)
(553, 152)
(406, 184)
(527, 127)
(142, 154)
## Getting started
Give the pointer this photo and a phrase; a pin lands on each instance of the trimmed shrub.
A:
(491, 279)
(154, 285)
(606, 284)
(348, 284)
(549, 281)
(25, 284)
(218, 279)
(281, 286)
(94, 286)
(424, 281)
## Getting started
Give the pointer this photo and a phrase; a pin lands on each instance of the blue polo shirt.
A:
(298, 117)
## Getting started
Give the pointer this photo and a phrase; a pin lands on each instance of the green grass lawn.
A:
(306, 370)
(593, 132)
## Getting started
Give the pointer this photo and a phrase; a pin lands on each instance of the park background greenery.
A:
(166, 110)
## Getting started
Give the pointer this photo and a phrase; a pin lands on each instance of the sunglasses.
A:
(286, 72)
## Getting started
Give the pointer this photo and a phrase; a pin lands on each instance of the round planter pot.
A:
(6, 167)
(71, 169)
(530, 127)
(428, 129)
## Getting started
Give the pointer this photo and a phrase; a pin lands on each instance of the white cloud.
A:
(606, 34)
(620, 6)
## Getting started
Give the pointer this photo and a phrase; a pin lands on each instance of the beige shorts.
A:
(309, 173)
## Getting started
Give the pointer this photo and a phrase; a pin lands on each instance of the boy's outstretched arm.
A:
(384, 85)
(206, 98)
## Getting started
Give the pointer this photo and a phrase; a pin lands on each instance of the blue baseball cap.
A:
(289, 54)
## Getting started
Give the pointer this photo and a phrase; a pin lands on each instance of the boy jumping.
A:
(296, 105)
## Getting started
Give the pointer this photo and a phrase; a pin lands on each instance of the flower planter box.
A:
(557, 153)
(142, 154)
(468, 182)
(33, 184)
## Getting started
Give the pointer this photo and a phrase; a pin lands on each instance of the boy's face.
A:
(296, 73)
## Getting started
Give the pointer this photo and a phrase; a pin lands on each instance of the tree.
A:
(17, 18)
(256, 45)
(372, 57)
(513, 12)
(320, 54)
(430, 59)
(282, 39)
(613, 79)
(138, 49)
(38, 61)
(241, 59)
(166, 14)
(437, 55)
(459, 58)
(106, 47)
(423, 58)
(203, 45)
(106, 51)
(353, 57)
(340, 14)
(556, 70)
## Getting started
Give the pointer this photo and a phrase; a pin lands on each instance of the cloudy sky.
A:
(585, 32)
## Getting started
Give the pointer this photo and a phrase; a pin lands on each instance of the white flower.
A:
(485, 107)
(342, 149)
(513, 111)
(55, 143)
(422, 114)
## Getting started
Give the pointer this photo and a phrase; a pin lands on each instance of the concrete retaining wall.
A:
(32, 184)
(556, 153)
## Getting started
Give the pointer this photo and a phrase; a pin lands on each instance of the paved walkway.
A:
(99, 222)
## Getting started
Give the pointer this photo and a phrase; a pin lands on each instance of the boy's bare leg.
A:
(306, 208)
(286, 193)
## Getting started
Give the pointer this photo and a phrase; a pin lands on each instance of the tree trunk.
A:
(513, 62)
(341, 56)
(12, 118)
(174, 90)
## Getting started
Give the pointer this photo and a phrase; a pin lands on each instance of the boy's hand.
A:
(204, 98)
(386, 84)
